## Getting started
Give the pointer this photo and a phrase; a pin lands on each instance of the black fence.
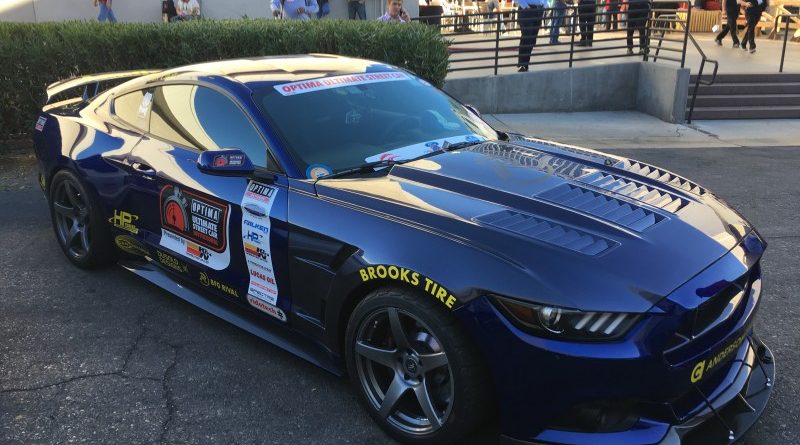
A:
(482, 39)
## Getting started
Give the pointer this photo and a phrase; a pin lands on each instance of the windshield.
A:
(336, 123)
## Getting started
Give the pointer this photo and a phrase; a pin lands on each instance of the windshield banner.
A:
(326, 83)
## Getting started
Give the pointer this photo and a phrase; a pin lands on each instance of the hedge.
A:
(35, 55)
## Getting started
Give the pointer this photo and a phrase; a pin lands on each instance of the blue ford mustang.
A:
(353, 214)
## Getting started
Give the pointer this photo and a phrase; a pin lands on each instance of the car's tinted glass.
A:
(133, 108)
(344, 121)
(204, 119)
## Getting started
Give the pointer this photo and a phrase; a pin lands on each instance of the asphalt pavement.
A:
(105, 357)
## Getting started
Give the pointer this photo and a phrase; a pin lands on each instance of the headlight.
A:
(568, 324)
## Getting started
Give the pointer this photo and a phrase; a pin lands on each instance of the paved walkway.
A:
(631, 129)
(731, 61)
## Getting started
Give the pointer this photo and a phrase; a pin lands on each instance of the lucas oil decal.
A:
(195, 226)
(262, 290)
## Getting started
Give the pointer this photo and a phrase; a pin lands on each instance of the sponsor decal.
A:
(207, 281)
(195, 225)
(415, 150)
(125, 221)
(266, 308)
(228, 160)
(315, 171)
(326, 83)
(261, 286)
(172, 262)
(40, 123)
(429, 286)
(131, 245)
(702, 367)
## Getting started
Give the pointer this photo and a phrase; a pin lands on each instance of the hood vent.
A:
(640, 168)
(608, 208)
(546, 231)
(634, 190)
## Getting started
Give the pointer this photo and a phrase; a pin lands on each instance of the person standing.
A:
(732, 13)
(557, 19)
(357, 10)
(530, 22)
(106, 13)
(587, 15)
(294, 9)
(395, 12)
(186, 10)
(638, 10)
(612, 14)
(491, 6)
(752, 10)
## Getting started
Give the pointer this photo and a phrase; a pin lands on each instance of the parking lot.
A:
(105, 357)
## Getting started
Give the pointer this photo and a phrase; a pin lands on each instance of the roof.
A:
(251, 71)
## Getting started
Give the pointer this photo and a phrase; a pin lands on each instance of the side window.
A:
(205, 119)
(133, 108)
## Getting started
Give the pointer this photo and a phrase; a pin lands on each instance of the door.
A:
(227, 235)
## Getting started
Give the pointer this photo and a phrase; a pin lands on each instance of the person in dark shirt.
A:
(752, 10)
(732, 12)
(530, 22)
(638, 10)
(587, 15)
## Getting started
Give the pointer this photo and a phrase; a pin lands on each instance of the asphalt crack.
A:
(169, 398)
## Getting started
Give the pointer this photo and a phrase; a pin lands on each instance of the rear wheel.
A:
(414, 369)
(78, 222)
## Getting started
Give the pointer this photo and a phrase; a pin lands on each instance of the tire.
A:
(78, 222)
(436, 362)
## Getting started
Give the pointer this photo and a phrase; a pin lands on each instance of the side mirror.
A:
(473, 109)
(227, 162)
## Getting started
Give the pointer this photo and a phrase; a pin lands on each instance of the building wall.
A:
(150, 10)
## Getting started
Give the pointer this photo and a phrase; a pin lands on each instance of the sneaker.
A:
(522, 69)
(718, 42)
(735, 44)
(752, 50)
(744, 46)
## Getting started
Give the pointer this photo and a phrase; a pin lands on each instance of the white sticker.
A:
(266, 308)
(256, 206)
(412, 151)
(145, 105)
(40, 123)
(195, 251)
(326, 83)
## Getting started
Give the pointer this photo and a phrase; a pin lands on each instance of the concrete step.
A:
(751, 78)
(738, 88)
(744, 100)
(767, 112)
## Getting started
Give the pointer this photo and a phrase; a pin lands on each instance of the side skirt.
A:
(280, 336)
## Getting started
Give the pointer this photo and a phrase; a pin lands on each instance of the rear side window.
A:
(134, 108)
(202, 118)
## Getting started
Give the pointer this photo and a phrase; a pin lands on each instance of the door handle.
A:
(143, 168)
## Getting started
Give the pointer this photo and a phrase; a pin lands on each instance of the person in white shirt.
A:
(187, 10)
(395, 12)
(294, 9)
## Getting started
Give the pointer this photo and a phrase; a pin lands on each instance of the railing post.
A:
(497, 41)
(572, 38)
(785, 38)
(648, 29)
(686, 33)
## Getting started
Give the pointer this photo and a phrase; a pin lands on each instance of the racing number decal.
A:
(195, 226)
(262, 290)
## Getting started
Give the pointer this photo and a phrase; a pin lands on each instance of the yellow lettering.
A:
(404, 275)
(697, 372)
(371, 272)
(440, 294)
(428, 283)
(415, 279)
(451, 301)
(394, 273)
(380, 271)
(364, 276)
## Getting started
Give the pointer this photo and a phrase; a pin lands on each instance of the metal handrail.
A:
(699, 80)
(786, 36)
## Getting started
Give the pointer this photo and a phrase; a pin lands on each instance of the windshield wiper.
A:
(369, 167)
(449, 147)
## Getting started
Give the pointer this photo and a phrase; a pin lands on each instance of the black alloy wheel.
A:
(416, 371)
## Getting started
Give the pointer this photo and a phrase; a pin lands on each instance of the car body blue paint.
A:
(430, 216)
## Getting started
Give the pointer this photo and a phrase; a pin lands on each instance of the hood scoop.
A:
(546, 231)
(640, 168)
(634, 190)
(605, 207)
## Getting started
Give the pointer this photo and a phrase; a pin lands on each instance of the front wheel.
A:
(414, 368)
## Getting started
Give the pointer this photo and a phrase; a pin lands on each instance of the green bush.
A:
(34, 55)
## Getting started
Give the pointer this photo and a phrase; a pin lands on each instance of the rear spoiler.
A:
(91, 83)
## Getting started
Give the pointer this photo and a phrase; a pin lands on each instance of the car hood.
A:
(586, 229)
